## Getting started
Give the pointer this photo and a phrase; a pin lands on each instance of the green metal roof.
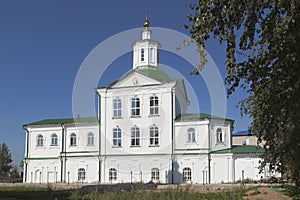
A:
(197, 116)
(154, 72)
(63, 121)
(240, 149)
(149, 71)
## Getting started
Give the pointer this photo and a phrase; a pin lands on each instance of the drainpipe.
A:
(172, 134)
(105, 131)
(99, 137)
(26, 153)
(63, 155)
(209, 150)
(233, 156)
(231, 129)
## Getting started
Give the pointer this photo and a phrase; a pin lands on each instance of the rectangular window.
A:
(90, 139)
(117, 137)
(220, 138)
(81, 174)
(112, 174)
(135, 107)
(187, 174)
(73, 139)
(151, 54)
(154, 137)
(142, 55)
(117, 108)
(40, 140)
(54, 139)
(154, 106)
(135, 136)
(191, 135)
(155, 174)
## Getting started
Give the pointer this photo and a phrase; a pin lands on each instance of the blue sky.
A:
(43, 43)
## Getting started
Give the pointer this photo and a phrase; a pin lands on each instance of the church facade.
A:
(142, 133)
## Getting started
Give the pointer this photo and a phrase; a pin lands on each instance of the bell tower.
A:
(146, 50)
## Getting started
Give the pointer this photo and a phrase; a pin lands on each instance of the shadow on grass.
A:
(32, 193)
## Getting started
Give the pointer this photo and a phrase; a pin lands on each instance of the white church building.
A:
(142, 133)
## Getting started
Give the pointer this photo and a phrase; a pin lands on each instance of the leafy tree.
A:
(14, 173)
(262, 41)
(5, 160)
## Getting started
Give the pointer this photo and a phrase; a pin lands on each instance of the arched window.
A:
(73, 139)
(117, 137)
(54, 140)
(117, 108)
(40, 140)
(191, 135)
(135, 107)
(135, 136)
(91, 138)
(152, 56)
(219, 135)
(81, 174)
(154, 136)
(142, 54)
(155, 174)
(112, 174)
(154, 105)
(187, 174)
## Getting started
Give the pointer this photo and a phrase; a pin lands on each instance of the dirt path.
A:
(265, 193)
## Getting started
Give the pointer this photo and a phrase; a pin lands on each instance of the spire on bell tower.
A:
(147, 23)
(146, 34)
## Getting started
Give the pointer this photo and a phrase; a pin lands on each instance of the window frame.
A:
(154, 105)
(142, 54)
(54, 137)
(90, 139)
(155, 175)
(187, 174)
(135, 139)
(112, 174)
(117, 108)
(73, 139)
(117, 139)
(220, 137)
(154, 136)
(191, 133)
(40, 140)
(135, 107)
(81, 174)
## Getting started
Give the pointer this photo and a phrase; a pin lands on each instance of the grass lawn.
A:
(37, 193)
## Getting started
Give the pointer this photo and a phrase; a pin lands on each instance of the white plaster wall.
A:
(249, 164)
(90, 164)
(181, 136)
(163, 121)
(225, 126)
(136, 168)
(46, 132)
(81, 131)
(198, 165)
(182, 101)
(43, 162)
(222, 168)
(43, 171)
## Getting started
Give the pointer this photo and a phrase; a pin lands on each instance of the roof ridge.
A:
(63, 121)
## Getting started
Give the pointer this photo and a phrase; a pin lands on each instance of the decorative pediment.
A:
(134, 79)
